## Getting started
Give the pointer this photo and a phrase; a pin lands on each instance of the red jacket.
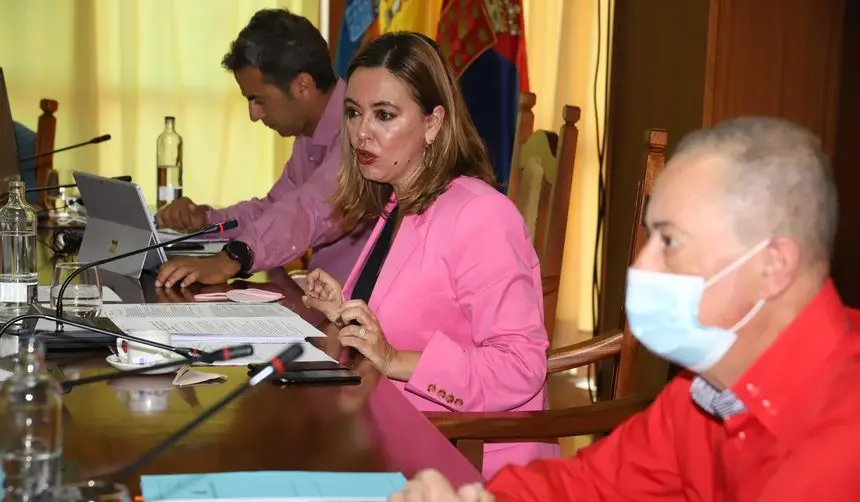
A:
(797, 440)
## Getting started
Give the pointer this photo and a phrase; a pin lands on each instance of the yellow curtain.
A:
(562, 42)
(120, 66)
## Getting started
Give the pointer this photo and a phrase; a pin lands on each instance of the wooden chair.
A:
(470, 431)
(46, 131)
(525, 128)
(542, 182)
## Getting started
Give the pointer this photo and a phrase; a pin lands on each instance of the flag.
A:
(421, 16)
(484, 41)
(357, 28)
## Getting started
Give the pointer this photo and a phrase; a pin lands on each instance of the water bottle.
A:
(169, 160)
(31, 427)
(19, 277)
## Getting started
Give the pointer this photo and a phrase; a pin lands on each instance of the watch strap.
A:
(242, 253)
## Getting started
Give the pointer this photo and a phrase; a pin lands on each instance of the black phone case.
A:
(323, 374)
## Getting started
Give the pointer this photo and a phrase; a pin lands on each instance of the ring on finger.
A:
(361, 332)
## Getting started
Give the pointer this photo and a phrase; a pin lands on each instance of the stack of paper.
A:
(213, 322)
(272, 486)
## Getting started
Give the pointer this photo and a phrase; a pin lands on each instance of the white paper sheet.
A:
(108, 295)
(213, 322)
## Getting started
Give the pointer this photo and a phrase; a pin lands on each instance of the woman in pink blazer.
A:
(446, 297)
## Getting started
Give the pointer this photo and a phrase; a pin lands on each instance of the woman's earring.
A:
(425, 158)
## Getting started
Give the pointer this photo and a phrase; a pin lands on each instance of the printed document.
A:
(213, 322)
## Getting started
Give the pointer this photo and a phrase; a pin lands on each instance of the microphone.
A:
(225, 354)
(277, 364)
(97, 139)
(211, 229)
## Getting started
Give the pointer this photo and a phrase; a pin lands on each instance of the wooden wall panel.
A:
(776, 57)
(681, 65)
(658, 73)
(846, 163)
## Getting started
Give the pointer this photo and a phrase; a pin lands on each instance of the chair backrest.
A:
(525, 128)
(544, 177)
(655, 158)
(46, 131)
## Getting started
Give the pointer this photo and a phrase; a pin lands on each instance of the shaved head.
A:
(777, 181)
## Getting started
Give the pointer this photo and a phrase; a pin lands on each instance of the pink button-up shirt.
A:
(296, 214)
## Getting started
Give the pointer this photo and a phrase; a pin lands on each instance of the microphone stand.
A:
(187, 353)
(273, 369)
(225, 354)
(5, 195)
(211, 229)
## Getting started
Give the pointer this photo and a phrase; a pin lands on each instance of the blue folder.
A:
(269, 485)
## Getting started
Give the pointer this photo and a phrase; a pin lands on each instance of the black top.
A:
(367, 279)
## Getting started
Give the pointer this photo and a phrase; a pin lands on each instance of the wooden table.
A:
(369, 427)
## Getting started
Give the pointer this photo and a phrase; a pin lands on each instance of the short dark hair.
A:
(282, 45)
(458, 150)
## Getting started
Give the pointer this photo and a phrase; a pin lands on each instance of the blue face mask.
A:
(663, 314)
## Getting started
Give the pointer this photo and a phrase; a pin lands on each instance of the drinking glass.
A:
(92, 491)
(83, 296)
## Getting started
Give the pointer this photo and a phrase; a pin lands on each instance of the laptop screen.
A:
(8, 147)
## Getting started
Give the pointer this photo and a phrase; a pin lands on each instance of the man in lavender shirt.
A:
(282, 65)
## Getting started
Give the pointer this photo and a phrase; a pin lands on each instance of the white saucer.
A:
(115, 361)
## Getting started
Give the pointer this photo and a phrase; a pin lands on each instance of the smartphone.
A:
(340, 376)
(333, 376)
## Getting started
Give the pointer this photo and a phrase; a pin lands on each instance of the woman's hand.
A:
(324, 294)
(368, 338)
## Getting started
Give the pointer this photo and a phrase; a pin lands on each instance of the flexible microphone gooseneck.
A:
(5, 195)
(275, 366)
(217, 228)
(225, 354)
(125, 177)
(187, 353)
(97, 139)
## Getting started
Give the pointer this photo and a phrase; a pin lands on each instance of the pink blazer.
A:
(462, 285)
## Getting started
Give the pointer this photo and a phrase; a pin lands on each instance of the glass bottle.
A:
(31, 427)
(169, 160)
(19, 274)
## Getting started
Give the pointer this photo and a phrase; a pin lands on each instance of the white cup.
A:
(136, 353)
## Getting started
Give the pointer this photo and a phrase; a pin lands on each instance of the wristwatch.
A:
(242, 253)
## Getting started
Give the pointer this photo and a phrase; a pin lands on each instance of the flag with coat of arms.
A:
(364, 20)
(484, 41)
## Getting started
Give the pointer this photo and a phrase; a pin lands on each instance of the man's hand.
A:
(186, 271)
(182, 215)
(431, 486)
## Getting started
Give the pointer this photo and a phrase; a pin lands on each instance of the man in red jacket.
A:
(734, 285)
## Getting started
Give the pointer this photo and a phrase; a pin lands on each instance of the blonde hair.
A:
(416, 61)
